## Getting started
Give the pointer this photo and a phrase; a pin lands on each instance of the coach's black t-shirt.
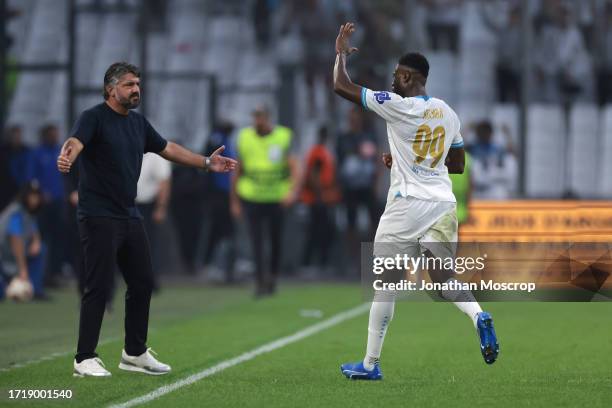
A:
(109, 165)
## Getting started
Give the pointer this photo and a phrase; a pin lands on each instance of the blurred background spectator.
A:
(187, 207)
(21, 247)
(443, 21)
(358, 164)
(264, 186)
(320, 194)
(493, 168)
(220, 231)
(153, 196)
(509, 58)
(42, 167)
(563, 64)
(14, 155)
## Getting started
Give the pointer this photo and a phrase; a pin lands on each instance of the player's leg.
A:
(440, 241)
(381, 314)
(393, 233)
(99, 239)
(134, 260)
(463, 299)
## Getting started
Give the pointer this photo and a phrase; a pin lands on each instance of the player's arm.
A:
(455, 160)
(343, 85)
(217, 163)
(70, 151)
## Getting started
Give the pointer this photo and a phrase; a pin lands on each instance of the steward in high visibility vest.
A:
(265, 172)
(264, 185)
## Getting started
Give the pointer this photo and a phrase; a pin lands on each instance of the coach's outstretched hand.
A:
(221, 164)
(342, 41)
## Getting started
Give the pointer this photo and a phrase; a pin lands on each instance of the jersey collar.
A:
(424, 97)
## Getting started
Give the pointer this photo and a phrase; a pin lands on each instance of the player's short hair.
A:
(416, 61)
(116, 71)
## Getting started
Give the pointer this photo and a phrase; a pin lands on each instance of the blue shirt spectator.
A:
(42, 164)
(221, 136)
(13, 163)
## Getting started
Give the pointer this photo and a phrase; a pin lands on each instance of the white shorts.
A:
(410, 225)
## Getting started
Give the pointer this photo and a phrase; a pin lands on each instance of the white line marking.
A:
(249, 355)
(50, 356)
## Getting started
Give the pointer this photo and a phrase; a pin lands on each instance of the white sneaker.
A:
(91, 367)
(144, 363)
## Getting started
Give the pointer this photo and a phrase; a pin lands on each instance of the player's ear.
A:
(405, 78)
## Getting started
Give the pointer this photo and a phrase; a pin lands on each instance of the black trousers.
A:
(152, 230)
(321, 231)
(107, 243)
(261, 217)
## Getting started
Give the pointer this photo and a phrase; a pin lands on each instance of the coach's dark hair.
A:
(116, 71)
(416, 61)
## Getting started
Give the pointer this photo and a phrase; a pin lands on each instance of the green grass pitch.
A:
(552, 354)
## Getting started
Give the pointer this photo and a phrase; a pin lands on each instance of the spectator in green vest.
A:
(462, 189)
(265, 184)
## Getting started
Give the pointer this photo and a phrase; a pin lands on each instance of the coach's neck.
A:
(117, 107)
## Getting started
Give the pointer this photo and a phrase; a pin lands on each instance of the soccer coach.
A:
(111, 140)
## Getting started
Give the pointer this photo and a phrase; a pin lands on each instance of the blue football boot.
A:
(488, 340)
(356, 371)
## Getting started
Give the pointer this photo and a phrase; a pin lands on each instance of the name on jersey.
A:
(433, 114)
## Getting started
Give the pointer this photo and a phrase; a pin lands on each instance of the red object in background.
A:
(320, 156)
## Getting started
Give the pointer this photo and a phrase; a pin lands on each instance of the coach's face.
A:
(127, 91)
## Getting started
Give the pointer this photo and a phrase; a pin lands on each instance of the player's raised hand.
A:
(387, 160)
(221, 164)
(342, 41)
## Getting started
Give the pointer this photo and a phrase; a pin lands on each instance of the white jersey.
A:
(155, 170)
(421, 131)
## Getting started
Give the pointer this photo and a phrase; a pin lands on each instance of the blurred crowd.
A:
(570, 43)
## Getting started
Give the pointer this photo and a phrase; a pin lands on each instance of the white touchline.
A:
(50, 356)
(249, 355)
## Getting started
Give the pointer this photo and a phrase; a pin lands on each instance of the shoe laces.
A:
(150, 350)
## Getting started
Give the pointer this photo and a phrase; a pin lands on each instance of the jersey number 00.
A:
(427, 142)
